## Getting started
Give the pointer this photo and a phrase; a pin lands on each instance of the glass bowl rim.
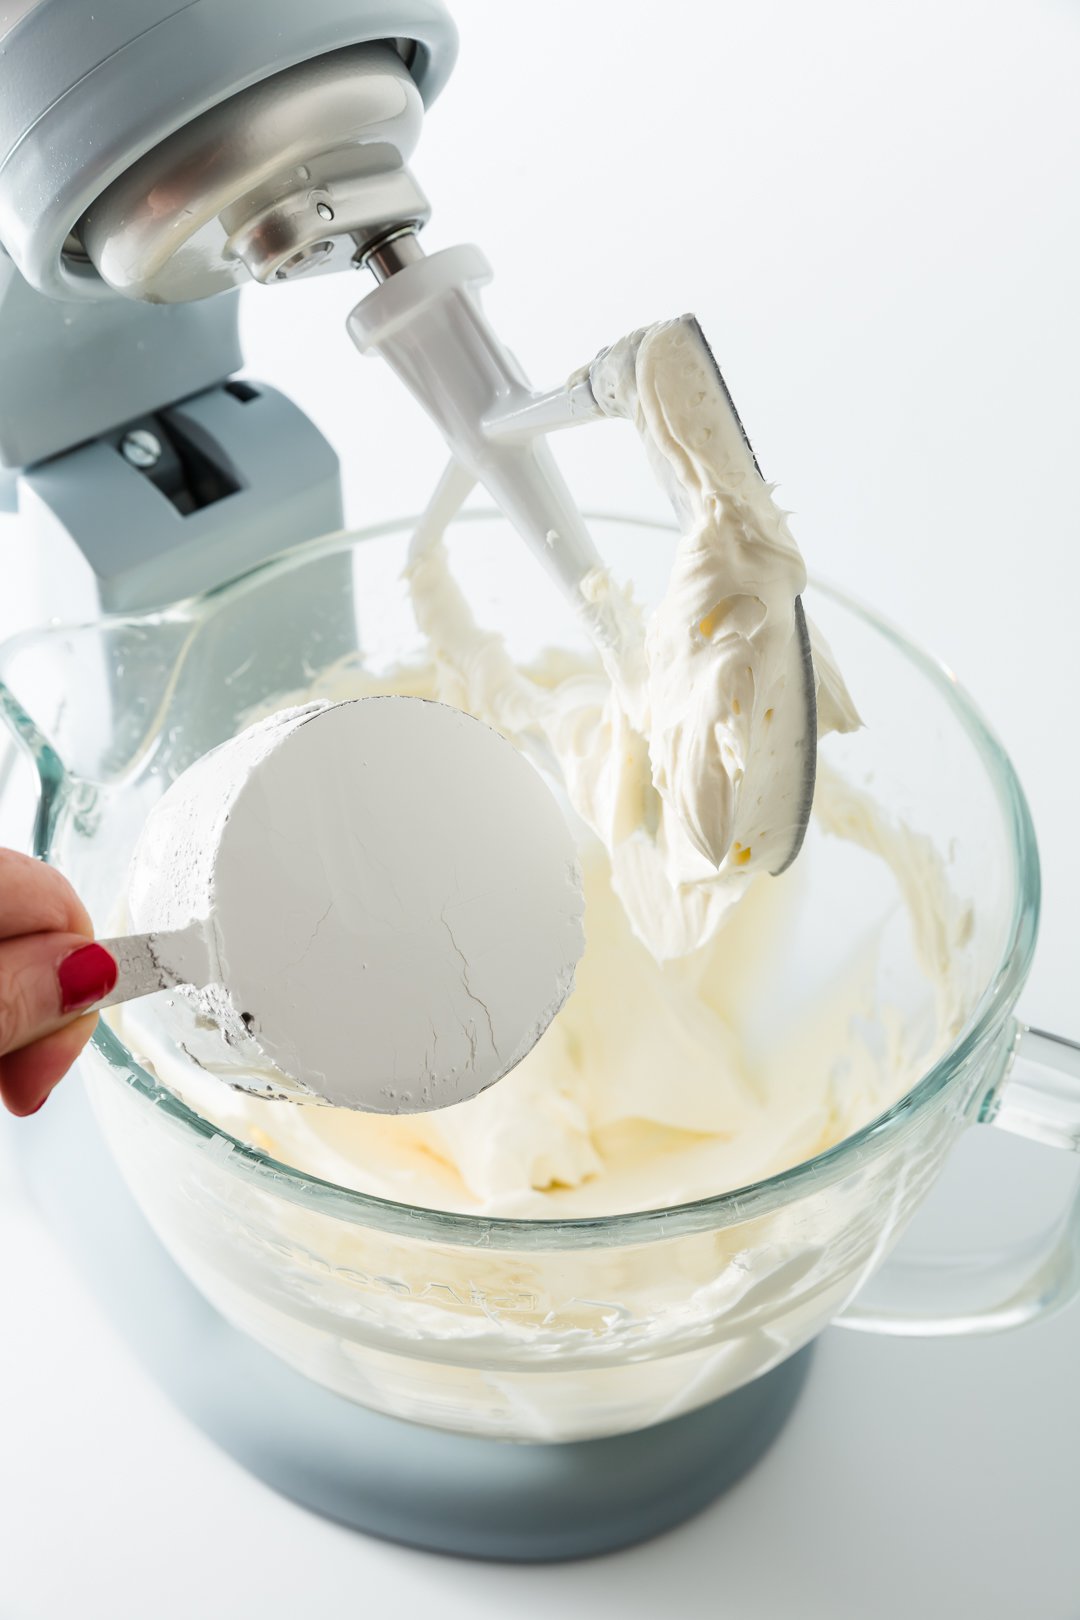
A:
(720, 1209)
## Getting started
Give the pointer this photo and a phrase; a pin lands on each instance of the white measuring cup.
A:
(381, 896)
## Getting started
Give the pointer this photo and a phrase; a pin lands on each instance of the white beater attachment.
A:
(426, 321)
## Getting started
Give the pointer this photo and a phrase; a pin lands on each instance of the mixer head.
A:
(297, 175)
(167, 151)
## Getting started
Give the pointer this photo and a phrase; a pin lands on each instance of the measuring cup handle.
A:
(149, 962)
(951, 1295)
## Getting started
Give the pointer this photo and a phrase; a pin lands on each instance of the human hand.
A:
(49, 969)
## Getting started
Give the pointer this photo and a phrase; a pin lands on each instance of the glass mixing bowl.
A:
(563, 1329)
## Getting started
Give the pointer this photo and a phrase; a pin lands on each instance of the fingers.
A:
(29, 1075)
(43, 979)
(36, 899)
(48, 971)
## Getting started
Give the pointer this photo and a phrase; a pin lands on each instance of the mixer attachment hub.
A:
(292, 176)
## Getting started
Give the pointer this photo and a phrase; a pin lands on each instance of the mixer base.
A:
(444, 1492)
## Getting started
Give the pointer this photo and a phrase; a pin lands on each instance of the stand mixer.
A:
(154, 157)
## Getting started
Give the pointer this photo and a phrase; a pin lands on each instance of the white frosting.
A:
(389, 893)
(653, 1085)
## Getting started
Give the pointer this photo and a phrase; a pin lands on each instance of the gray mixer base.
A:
(444, 1492)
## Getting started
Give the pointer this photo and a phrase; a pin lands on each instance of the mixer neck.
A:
(146, 472)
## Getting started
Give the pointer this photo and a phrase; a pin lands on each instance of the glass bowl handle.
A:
(949, 1295)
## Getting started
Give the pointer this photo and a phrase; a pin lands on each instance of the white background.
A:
(874, 211)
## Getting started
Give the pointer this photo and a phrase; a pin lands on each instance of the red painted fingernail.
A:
(38, 1106)
(85, 976)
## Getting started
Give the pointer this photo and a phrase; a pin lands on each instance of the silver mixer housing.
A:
(116, 118)
(297, 175)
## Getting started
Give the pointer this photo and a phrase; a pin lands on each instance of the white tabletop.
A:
(874, 211)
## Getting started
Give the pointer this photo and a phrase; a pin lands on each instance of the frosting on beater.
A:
(684, 755)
